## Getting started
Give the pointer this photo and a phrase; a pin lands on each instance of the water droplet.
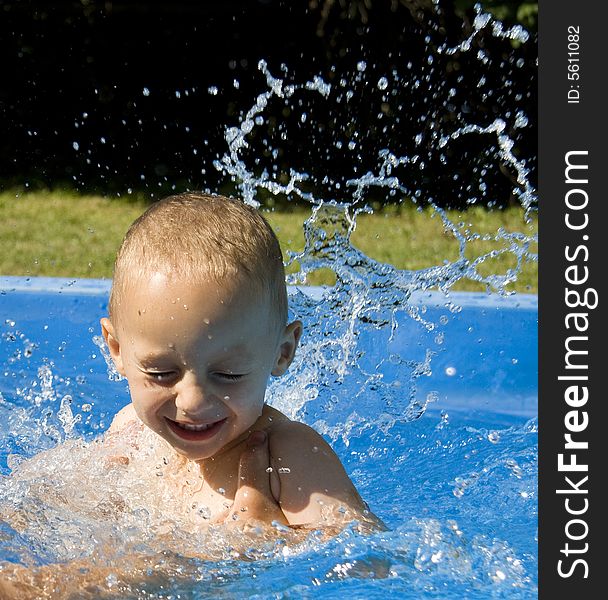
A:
(521, 120)
(432, 397)
(494, 437)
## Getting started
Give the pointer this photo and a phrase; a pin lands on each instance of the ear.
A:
(287, 349)
(107, 330)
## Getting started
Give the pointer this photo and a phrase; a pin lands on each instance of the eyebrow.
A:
(229, 356)
(151, 357)
(233, 358)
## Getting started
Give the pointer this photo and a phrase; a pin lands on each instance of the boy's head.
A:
(198, 320)
(199, 238)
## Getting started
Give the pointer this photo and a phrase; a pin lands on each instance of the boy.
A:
(197, 324)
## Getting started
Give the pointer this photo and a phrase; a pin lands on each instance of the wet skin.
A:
(198, 358)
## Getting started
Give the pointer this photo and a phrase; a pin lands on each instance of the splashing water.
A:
(364, 303)
(458, 493)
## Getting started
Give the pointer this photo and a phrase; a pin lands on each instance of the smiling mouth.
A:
(195, 431)
(191, 427)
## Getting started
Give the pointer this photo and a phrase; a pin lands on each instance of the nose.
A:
(192, 396)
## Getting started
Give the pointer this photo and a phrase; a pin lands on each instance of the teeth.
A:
(191, 427)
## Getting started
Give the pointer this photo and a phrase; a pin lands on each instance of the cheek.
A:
(245, 398)
(145, 397)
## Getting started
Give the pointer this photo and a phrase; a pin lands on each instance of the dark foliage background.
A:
(114, 96)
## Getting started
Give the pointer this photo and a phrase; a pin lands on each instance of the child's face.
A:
(197, 359)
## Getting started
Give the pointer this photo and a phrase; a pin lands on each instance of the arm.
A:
(313, 486)
(254, 507)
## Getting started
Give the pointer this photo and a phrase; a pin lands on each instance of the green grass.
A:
(59, 234)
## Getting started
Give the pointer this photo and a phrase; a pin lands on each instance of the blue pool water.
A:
(432, 411)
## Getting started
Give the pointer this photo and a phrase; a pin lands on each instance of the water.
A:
(427, 395)
(445, 454)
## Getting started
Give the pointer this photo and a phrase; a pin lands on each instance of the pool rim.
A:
(101, 287)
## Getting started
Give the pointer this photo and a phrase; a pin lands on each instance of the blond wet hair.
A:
(201, 237)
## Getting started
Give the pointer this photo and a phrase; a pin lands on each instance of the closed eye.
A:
(229, 376)
(160, 376)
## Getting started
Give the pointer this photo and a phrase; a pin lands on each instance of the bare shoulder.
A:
(299, 450)
(123, 418)
(122, 436)
(314, 487)
(287, 435)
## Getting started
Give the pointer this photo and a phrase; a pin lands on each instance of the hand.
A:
(11, 591)
(254, 503)
(115, 460)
